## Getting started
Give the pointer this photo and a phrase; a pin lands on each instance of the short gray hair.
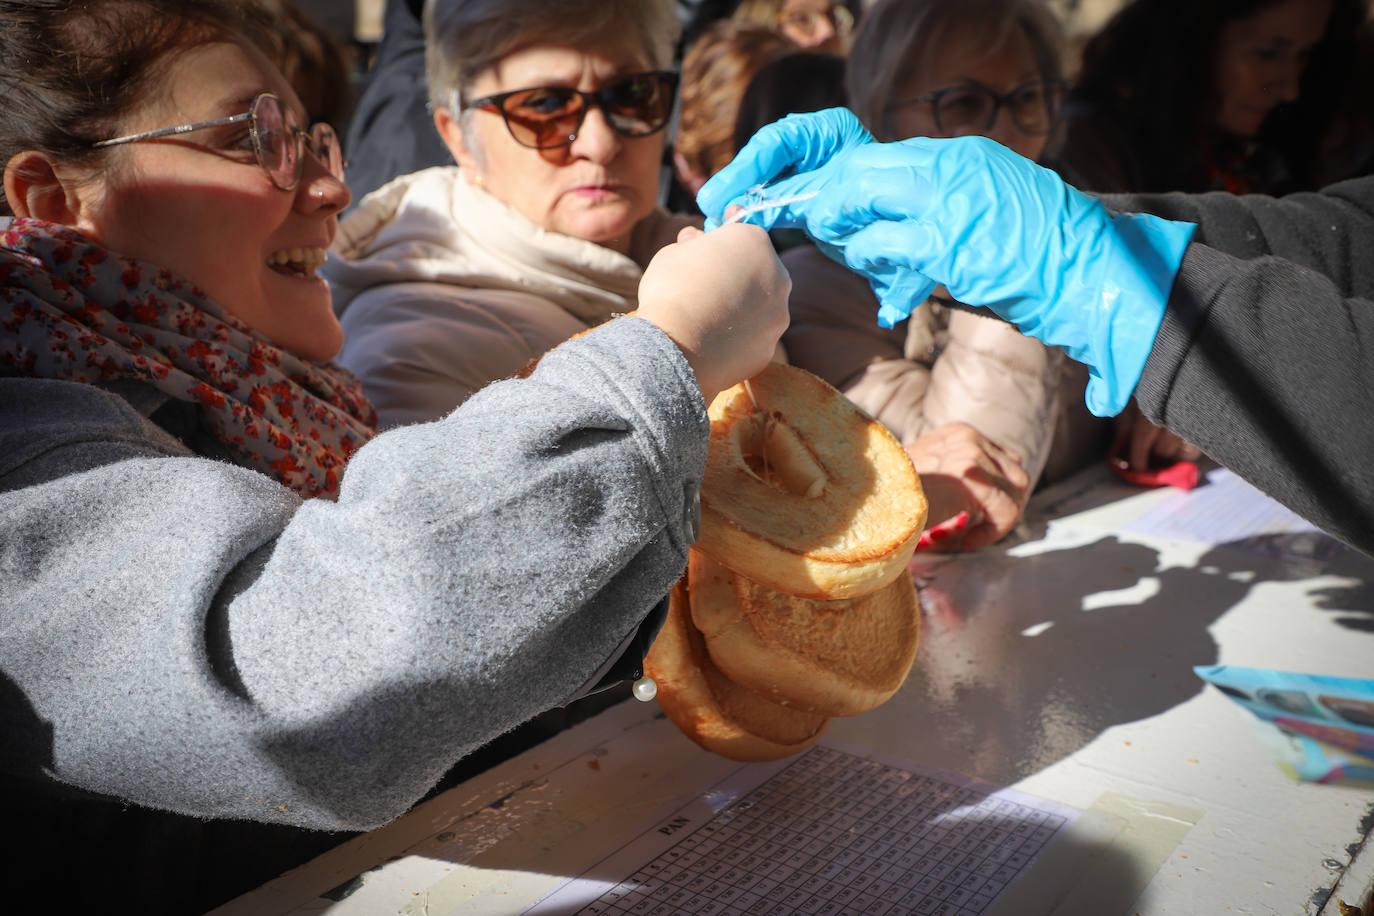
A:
(464, 38)
(894, 35)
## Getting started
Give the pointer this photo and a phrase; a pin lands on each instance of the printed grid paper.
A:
(831, 832)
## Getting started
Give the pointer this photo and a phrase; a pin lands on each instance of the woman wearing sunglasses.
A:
(220, 594)
(974, 402)
(452, 277)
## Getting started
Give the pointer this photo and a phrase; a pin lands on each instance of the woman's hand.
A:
(962, 470)
(722, 297)
(1142, 446)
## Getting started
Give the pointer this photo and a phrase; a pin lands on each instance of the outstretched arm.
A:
(1262, 357)
(1257, 359)
(320, 663)
(186, 634)
(1264, 365)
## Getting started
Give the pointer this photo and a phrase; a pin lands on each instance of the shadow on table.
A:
(1353, 604)
(1357, 600)
(1028, 656)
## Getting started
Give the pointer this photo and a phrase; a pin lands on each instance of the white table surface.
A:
(1059, 663)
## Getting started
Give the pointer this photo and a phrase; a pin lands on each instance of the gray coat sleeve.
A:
(1264, 357)
(189, 635)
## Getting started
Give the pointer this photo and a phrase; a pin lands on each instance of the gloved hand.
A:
(799, 147)
(993, 228)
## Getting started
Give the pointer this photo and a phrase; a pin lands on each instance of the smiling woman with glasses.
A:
(226, 599)
(557, 118)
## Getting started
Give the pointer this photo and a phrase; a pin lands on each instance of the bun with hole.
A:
(803, 492)
(712, 710)
(835, 657)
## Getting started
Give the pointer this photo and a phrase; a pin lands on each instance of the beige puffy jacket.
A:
(942, 365)
(443, 289)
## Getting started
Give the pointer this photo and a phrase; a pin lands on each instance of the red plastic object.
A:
(1181, 474)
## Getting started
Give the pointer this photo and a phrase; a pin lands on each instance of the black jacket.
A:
(392, 132)
(1265, 359)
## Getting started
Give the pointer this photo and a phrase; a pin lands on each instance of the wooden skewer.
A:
(748, 389)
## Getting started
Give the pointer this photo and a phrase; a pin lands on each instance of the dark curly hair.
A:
(1150, 73)
(71, 69)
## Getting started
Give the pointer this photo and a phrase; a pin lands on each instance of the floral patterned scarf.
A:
(72, 310)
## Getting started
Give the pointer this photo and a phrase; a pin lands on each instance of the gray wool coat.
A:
(192, 636)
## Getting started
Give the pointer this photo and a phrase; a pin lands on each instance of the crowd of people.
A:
(332, 470)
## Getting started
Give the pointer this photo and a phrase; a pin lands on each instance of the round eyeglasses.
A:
(547, 117)
(277, 142)
(806, 25)
(958, 110)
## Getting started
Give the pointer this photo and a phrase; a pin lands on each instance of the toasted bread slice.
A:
(805, 493)
(709, 708)
(836, 658)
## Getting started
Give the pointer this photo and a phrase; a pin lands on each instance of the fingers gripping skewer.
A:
(758, 202)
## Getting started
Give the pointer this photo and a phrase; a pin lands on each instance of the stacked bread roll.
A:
(796, 605)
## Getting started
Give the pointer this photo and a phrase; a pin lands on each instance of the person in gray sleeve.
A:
(1243, 324)
(221, 594)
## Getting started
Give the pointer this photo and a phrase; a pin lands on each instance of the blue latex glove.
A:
(992, 227)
